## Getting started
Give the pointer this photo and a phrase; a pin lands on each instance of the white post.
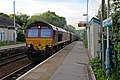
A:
(108, 50)
(88, 29)
(14, 23)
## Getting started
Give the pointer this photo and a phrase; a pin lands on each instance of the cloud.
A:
(72, 10)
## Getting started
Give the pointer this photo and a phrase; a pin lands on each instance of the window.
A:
(45, 33)
(33, 33)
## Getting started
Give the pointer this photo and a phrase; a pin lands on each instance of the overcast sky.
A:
(72, 10)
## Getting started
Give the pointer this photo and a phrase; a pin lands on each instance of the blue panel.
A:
(108, 24)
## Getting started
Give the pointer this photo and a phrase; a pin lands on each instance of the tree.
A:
(72, 29)
(49, 17)
(20, 36)
(99, 15)
(116, 6)
(116, 25)
(21, 19)
(4, 15)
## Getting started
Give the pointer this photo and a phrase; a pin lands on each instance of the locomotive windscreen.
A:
(32, 32)
(46, 33)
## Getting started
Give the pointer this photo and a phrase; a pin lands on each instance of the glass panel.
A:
(45, 32)
(33, 33)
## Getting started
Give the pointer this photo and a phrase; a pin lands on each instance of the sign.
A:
(107, 22)
(82, 24)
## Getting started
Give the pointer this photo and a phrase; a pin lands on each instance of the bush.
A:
(100, 73)
(85, 43)
(97, 69)
(20, 37)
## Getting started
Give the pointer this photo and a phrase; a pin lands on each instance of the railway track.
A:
(19, 72)
(12, 63)
(12, 58)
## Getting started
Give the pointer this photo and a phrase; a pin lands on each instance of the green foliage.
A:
(21, 19)
(97, 69)
(85, 43)
(20, 37)
(115, 28)
(116, 36)
(99, 15)
(85, 39)
(71, 29)
(81, 34)
(49, 17)
(115, 6)
(100, 37)
(114, 74)
(4, 15)
(54, 19)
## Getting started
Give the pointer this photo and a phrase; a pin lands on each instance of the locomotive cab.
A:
(39, 38)
(43, 39)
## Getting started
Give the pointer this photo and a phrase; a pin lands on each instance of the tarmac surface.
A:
(75, 65)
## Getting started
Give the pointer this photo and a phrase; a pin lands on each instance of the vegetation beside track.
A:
(99, 71)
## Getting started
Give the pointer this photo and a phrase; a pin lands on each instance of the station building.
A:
(94, 47)
(7, 29)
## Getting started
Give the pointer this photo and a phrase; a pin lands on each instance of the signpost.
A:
(107, 22)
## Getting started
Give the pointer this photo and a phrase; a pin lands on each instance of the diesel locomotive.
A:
(43, 39)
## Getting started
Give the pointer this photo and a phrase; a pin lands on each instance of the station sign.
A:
(82, 24)
(107, 22)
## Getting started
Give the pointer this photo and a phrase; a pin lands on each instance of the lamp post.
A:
(87, 10)
(14, 34)
(88, 28)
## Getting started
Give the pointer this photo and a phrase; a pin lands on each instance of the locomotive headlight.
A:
(28, 45)
(49, 46)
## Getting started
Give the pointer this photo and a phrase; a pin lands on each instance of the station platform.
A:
(70, 63)
(11, 46)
